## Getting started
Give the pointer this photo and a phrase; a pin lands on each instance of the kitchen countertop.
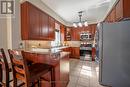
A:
(47, 57)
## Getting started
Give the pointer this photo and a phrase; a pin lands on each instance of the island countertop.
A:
(59, 61)
(46, 57)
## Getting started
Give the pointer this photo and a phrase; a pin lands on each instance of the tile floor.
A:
(83, 74)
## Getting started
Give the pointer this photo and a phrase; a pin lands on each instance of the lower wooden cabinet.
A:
(75, 52)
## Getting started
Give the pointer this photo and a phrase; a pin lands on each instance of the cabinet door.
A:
(88, 29)
(93, 27)
(64, 70)
(113, 15)
(75, 34)
(34, 23)
(62, 31)
(51, 31)
(119, 10)
(44, 26)
(72, 34)
(126, 8)
(77, 53)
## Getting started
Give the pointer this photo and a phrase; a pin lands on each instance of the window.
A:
(56, 42)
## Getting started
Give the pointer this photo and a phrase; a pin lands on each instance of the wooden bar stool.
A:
(29, 75)
(4, 67)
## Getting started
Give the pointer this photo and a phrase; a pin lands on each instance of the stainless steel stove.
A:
(86, 52)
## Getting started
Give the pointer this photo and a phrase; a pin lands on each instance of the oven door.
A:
(85, 55)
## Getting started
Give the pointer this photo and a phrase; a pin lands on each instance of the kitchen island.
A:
(60, 63)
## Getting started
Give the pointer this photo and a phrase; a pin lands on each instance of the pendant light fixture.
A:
(80, 23)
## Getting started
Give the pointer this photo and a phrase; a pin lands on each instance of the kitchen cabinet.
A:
(88, 29)
(51, 31)
(75, 34)
(67, 49)
(113, 15)
(64, 71)
(93, 29)
(119, 12)
(75, 52)
(43, 26)
(123, 9)
(63, 32)
(36, 24)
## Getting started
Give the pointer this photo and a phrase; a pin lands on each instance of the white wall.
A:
(16, 26)
(3, 33)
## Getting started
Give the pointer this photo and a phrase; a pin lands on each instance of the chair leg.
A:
(52, 78)
(1, 75)
(7, 79)
(39, 83)
(15, 82)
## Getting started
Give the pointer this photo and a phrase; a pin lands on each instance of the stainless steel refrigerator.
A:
(114, 54)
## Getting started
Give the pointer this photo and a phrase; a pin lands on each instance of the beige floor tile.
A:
(83, 74)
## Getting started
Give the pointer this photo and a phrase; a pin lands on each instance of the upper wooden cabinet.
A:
(36, 24)
(51, 28)
(32, 24)
(113, 15)
(75, 34)
(93, 29)
(123, 9)
(43, 26)
(120, 11)
(63, 32)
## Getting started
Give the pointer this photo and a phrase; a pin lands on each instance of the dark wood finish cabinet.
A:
(119, 12)
(75, 34)
(51, 31)
(62, 31)
(36, 24)
(44, 26)
(75, 52)
(93, 29)
(64, 71)
(33, 21)
(113, 15)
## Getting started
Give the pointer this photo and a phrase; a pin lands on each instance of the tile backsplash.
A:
(37, 44)
(29, 44)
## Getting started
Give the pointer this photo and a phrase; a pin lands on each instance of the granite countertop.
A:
(51, 57)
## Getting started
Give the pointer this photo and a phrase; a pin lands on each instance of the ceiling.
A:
(93, 10)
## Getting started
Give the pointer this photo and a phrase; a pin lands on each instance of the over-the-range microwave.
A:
(85, 36)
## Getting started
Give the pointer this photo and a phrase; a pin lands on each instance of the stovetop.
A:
(85, 48)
